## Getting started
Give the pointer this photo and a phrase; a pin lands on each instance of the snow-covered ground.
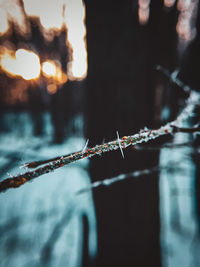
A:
(180, 243)
(42, 222)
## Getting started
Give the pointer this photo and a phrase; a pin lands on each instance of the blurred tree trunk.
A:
(189, 74)
(122, 56)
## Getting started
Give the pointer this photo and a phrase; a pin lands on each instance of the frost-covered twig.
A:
(126, 141)
(35, 164)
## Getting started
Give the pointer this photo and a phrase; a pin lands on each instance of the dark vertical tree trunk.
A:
(120, 97)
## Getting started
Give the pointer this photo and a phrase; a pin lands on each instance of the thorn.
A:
(86, 144)
(175, 74)
(118, 140)
(24, 166)
(197, 125)
(10, 175)
(144, 130)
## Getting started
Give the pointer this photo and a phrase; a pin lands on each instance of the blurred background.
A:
(72, 71)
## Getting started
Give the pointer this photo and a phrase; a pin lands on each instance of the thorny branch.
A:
(143, 136)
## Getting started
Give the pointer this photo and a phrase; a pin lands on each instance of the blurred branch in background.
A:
(121, 177)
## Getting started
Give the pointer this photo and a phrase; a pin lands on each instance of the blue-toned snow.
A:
(180, 244)
(42, 221)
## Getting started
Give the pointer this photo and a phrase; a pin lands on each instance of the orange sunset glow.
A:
(53, 17)
(23, 63)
